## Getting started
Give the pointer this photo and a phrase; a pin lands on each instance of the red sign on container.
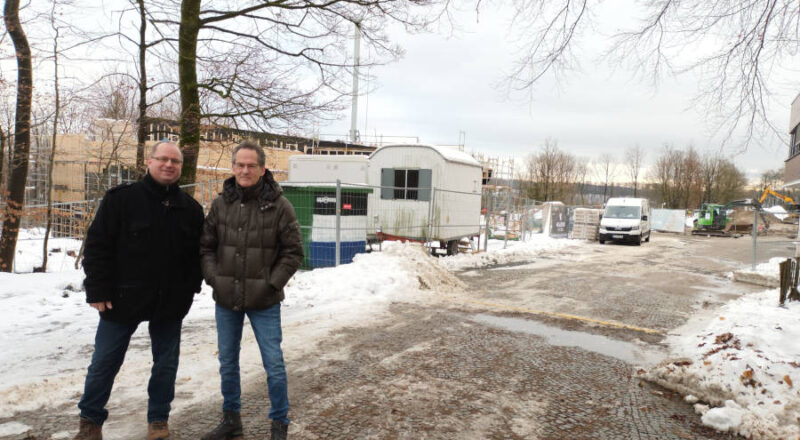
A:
(347, 206)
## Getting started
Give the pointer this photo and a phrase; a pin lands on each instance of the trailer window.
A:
(404, 184)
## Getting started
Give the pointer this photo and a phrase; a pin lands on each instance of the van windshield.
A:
(622, 212)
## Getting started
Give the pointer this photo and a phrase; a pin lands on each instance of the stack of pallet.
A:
(587, 223)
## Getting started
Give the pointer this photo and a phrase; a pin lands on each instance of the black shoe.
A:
(229, 428)
(279, 430)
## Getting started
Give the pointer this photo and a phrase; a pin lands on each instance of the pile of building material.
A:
(587, 223)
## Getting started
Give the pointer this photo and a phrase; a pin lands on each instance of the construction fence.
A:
(71, 219)
(509, 216)
(341, 220)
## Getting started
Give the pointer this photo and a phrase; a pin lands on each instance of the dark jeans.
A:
(266, 325)
(110, 344)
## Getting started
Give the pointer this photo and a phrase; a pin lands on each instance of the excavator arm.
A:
(770, 191)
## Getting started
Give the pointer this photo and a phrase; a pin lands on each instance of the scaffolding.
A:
(498, 172)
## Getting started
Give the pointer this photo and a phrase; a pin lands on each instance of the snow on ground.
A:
(514, 252)
(738, 369)
(53, 327)
(769, 269)
(742, 364)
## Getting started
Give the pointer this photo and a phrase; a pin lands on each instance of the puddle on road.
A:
(624, 351)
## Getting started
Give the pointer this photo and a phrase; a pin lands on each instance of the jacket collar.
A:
(163, 193)
(267, 189)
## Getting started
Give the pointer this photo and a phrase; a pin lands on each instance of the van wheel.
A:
(648, 238)
(639, 240)
(601, 241)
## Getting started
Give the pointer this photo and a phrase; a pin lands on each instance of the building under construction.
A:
(87, 164)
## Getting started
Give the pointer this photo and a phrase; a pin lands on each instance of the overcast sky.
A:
(447, 85)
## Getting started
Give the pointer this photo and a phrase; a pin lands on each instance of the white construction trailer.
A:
(348, 169)
(427, 193)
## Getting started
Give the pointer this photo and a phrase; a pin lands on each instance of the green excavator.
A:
(713, 218)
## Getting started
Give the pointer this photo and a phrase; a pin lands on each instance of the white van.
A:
(625, 219)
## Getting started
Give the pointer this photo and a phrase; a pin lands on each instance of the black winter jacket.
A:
(142, 252)
(251, 245)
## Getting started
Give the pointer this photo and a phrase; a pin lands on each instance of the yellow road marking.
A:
(566, 316)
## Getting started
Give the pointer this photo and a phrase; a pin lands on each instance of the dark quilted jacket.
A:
(251, 245)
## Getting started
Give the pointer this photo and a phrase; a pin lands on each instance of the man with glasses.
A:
(251, 246)
(142, 263)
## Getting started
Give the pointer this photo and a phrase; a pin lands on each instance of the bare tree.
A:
(711, 168)
(731, 182)
(634, 160)
(6, 133)
(581, 178)
(678, 177)
(690, 181)
(550, 173)
(141, 129)
(252, 55)
(53, 144)
(771, 178)
(22, 137)
(604, 169)
(735, 49)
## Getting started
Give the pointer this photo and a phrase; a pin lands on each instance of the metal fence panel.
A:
(669, 220)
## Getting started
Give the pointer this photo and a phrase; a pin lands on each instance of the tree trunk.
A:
(22, 137)
(2, 163)
(190, 99)
(52, 158)
(141, 130)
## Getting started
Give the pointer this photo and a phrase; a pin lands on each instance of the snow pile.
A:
(745, 362)
(398, 269)
(777, 211)
(517, 251)
(765, 274)
(769, 269)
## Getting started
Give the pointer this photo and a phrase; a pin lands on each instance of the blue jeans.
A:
(110, 344)
(266, 325)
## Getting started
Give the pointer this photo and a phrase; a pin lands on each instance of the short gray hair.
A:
(249, 145)
(160, 143)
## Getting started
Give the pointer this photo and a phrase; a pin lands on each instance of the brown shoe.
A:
(158, 430)
(88, 430)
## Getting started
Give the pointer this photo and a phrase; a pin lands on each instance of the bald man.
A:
(142, 263)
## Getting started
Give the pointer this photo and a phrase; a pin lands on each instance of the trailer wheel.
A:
(452, 247)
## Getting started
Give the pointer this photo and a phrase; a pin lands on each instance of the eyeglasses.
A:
(163, 159)
(249, 166)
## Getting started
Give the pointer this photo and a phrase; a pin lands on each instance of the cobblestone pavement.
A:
(438, 374)
(434, 370)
